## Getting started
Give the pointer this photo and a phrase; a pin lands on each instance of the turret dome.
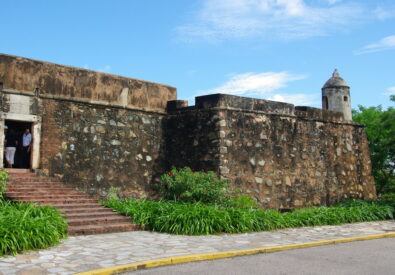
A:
(335, 81)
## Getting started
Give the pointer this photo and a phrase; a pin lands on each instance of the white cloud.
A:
(385, 43)
(297, 99)
(104, 69)
(332, 2)
(262, 85)
(255, 84)
(288, 19)
(384, 13)
(390, 91)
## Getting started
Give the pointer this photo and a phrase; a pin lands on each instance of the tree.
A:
(380, 129)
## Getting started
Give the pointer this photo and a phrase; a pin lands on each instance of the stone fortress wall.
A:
(282, 155)
(98, 130)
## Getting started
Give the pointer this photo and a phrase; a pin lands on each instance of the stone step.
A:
(62, 206)
(109, 219)
(36, 183)
(28, 183)
(13, 171)
(45, 185)
(21, 175)
(100, 229)
(59, 201)
(89, 214)
(84, 214)
(32, 179)
(46, 196)
(37, 187)
(42, 191)
(83, 210)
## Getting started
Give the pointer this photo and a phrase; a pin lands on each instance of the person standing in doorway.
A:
(26, 148)
(11, 142)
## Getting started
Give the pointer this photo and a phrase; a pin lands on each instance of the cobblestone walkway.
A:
(83, 253)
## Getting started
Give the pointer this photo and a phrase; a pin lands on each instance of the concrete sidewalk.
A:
(83, 253)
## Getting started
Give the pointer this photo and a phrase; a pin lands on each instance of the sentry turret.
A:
(336, 95)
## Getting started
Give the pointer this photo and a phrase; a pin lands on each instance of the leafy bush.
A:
(199, 203)
(3, 182)
(388, 196)
(380, 130)
(26, 226)
(113, 193)
(339, 215)
(385, 200)
(242, 201)
(197, 218)
(390, 202)
(186, 185)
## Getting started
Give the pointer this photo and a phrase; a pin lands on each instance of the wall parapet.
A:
(257, 106)
(24, 74)
(83, 101)
(318, 114)
(243, 103)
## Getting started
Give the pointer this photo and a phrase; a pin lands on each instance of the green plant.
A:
(27, 226)
(385, 200)
(3, 182)
(113, 193)
(197, 218)
(380, 130)
(186, 185)
(242, 201)
(388, 196)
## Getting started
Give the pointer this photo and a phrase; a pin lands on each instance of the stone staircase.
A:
(84, 214)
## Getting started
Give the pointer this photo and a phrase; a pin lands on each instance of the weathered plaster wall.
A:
(282, 156)
(23, 74)
(94, 147)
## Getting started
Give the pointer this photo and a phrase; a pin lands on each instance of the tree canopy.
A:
(380, 129)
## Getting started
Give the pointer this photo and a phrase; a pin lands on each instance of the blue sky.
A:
(281, 50)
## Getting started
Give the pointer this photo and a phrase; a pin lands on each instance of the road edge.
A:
(225, 254)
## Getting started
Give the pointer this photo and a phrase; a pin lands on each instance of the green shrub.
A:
(197, 218)
(241, 201)
(3, 182)
(388, 196)
(385, 200)
(339, 215)
(26, 227)
(186, 185)
(388, 200)
(113, 193)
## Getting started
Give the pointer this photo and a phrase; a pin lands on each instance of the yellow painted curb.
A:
(226, 254)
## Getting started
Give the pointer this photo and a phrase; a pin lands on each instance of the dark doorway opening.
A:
(325, 104)
(21, 159)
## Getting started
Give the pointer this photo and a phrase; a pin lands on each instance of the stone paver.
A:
(83, 253)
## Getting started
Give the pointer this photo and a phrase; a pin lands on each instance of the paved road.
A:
(83, 253)
(364, 257)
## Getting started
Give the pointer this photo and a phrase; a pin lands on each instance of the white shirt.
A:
(27, 138)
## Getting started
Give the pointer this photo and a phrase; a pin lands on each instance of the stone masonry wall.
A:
(93, 147)
(100, 131)
(97, 130)
(192, 139)
(282, 156)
